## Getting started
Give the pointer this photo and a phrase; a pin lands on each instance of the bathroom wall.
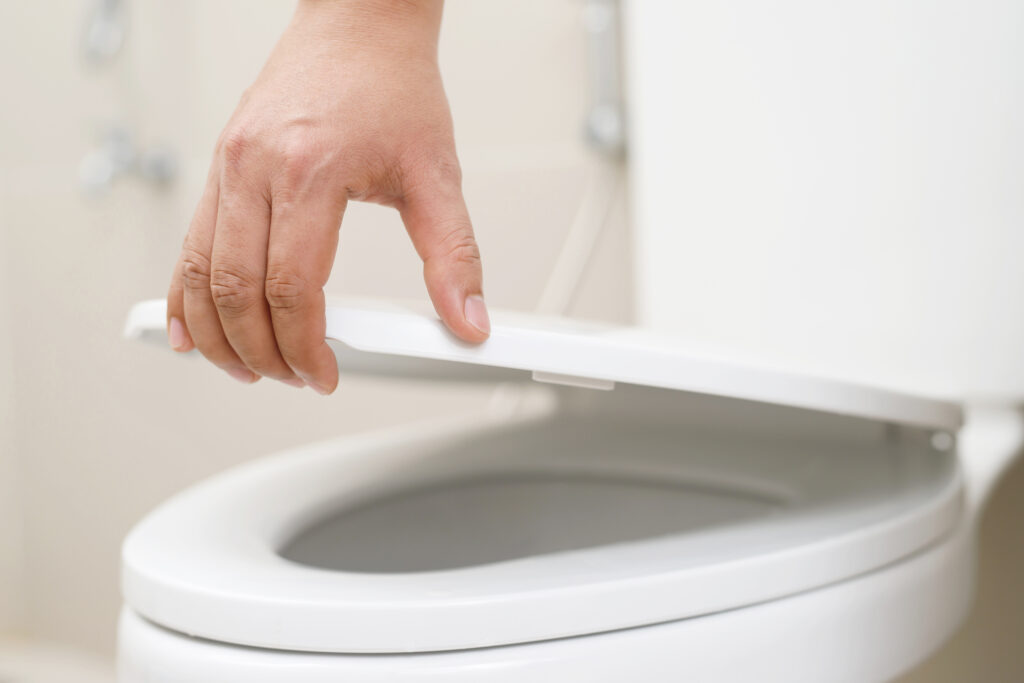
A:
(106, 428)
(11, 559)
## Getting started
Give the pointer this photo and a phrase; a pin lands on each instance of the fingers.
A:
(248, 288)
(177, 333)
(237, 274)
(200, 316)
(249, 309)
(303, 241)
(435, 215)
(206, 213)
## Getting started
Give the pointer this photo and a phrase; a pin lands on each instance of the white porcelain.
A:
(658, 523)
(726, 517)
(867, 629)
(833, 186)
(391, 338)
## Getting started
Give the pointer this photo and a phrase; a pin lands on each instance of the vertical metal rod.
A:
(605, 124)
(104, 30)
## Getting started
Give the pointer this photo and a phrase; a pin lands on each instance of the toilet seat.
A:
(869, 628)
(804, 489)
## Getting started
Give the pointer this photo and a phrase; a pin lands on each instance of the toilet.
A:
(813, 188)
(624, 509)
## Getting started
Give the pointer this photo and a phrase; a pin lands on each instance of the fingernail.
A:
(177, 336)
(242, 375)
(316, 386)
(320, 389)
(476, 313)
(294, 382)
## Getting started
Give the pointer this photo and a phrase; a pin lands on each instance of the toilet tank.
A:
(834, 186)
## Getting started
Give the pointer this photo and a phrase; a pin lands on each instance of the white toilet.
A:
(640, 512)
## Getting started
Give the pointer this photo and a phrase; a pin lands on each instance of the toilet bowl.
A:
(642, 512)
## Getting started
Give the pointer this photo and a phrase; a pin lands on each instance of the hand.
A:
(349, 106)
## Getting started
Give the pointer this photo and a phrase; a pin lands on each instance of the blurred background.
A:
(109, 118)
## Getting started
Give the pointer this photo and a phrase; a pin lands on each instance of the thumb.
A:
(436, 218)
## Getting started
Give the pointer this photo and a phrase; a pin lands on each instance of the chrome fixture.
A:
(605, 124)
(118, 156)
(104, 30)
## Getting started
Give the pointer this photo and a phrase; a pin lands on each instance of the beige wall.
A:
(107, 429)
(11, 560)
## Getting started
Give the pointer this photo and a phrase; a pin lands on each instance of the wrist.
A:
(403, 26)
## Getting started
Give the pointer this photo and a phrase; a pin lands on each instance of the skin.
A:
(349, 106)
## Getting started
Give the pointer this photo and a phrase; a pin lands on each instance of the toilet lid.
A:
(392, 339)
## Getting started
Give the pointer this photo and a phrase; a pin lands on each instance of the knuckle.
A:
(298, 159)
(233, 290)
(235, 145)
(442, 170)
(285, 290)
(459, 245)
(195, 269)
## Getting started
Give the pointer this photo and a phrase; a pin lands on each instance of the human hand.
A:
(349, 106)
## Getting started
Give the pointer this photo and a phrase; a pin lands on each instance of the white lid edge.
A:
(601, 355)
